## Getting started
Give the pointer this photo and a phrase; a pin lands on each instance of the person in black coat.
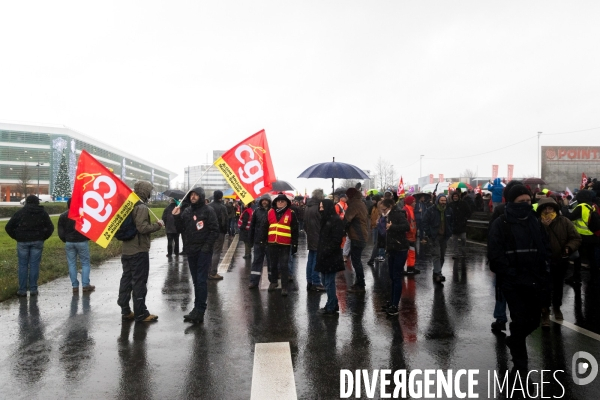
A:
(396, 246)
(259, 233)
(171, 229)
(312, 226)
(76, 244)
(244, 226)
(30, 227)
(461, 212)
(329, 253)
(519, 253)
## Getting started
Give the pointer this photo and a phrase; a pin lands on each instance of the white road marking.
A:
(273, 372)
(264, 279)
(577, 329)
(224, 265)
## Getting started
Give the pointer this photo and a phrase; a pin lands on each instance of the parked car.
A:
(44, 198)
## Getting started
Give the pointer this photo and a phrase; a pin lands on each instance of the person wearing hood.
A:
(76, 244)
(396, 246)
(136, 260)
(244, 228)
(329, 253)
(30, 227)
(519, 253)
(496, 188)
(355, 222)
(172, 234)
(564, 241)
(223, 220)
(312, 226)
(437, 224)
(283, 239)
(201, 228)
(259, 234)
(586, 221)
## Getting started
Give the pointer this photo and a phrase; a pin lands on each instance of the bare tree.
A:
(468, 173)
(24, 177)
(384, 174)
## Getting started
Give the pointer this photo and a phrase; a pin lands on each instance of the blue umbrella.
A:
(334, 170)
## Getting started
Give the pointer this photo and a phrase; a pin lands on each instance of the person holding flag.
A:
(200, 226)
(136, 260)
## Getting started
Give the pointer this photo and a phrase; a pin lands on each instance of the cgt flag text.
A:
(247, 167)
(100, 201)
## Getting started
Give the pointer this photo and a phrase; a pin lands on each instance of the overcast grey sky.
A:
(170, 81)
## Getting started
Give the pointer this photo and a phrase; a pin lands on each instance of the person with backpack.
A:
(519, 253)
(200, 226)
(223, 220)
(564, 241)
(31, 226)
(135, 256)
(587, 222)
(75, 245)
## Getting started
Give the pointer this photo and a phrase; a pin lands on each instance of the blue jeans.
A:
(199, 263)
(312, 276)
(329, 281)
(291, 266)
(500, 307)
(396, 261)
(30, 256)
(83, 249)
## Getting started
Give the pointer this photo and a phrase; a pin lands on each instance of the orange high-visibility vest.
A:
(411, 235)
(280, 232)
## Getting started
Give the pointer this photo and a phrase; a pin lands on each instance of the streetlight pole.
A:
(38, 171)
(539, 151)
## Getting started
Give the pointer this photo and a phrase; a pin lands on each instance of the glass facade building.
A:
(30, 156)
(206, 175)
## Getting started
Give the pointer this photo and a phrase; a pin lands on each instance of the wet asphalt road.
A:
(60, 345)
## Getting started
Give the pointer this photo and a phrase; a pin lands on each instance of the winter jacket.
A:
(562, 233)
(221, 213)
(200, 226)
(496, 188)
(300, 210)
(420, 210)
(329, 252)
(518, 248)
(312, 223)
(395, 238)
(169, 219)
(259, 226)
(355, 220)
(432, 220)
(293, 222)
(30, 224)
(246, 219)
(230, 210)
(460, 214)
(374, 216)
(66, 229)
(140, 242)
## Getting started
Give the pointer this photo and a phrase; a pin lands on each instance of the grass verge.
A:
(54, 258)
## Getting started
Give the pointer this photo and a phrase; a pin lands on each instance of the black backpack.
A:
(127, 230)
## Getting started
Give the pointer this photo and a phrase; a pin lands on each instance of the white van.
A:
(44, 198)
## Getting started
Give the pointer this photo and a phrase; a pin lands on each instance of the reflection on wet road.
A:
(61, 346)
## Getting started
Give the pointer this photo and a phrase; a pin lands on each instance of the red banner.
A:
(509, 176)
(494, 172)
(247, 167)
(400, 186)
(431, 178)
(583, 180)
(441, 178)
(100, 201)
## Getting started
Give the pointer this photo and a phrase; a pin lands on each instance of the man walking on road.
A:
(283, 233)
(312, 225)
(75, 244)
(30, 227)
(437, 224)
(355, 220)
(223, 220)
(199, 223)
(259, 232)
(461, 212)
(136, 260)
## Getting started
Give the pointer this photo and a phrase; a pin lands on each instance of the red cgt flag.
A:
(584, 180)
(247, 167)
(100, 201)
(401, 187)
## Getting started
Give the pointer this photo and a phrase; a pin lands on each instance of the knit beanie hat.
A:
(409, 200)
(352, 192)
(32, 199)
(217, 195)
(515, 192)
